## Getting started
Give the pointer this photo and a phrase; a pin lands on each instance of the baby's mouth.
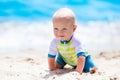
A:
(61, 37)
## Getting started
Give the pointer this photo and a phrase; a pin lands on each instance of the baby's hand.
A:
(75, 73)
(57, 71)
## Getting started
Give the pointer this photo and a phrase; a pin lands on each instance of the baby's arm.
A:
(51, 63)
(80, 64)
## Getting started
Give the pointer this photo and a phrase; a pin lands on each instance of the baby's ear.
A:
(74, 27)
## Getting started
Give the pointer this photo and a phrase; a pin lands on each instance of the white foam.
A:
(37, 35)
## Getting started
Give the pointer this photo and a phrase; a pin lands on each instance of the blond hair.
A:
(64, 13)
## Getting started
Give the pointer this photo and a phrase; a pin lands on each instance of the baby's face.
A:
(63, 29)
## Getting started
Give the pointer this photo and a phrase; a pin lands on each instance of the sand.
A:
(32, 65)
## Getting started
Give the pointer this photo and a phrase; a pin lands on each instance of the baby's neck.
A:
(66, 41)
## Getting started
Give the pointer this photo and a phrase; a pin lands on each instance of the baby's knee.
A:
(58, 66)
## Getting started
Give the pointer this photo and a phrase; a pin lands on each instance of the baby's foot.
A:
(93, 70)
(67, 67)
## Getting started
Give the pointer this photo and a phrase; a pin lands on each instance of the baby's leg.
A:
(89, 65)
(59, 66)
(60, 62)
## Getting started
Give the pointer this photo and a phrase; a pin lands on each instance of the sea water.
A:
(27, 24)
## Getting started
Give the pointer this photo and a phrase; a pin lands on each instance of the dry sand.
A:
(32, 65)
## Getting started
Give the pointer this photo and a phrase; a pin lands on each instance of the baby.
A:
(65, 48)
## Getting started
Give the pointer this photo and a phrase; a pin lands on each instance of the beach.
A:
(26, 32)
(32, 65)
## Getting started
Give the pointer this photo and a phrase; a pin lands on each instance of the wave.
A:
(37, 35)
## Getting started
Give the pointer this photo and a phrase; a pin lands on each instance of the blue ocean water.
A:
(27, 24)
(85, 10)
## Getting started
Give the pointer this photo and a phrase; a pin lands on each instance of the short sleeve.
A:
(78, 45)
(53, 48)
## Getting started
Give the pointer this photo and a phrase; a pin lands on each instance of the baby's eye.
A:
(56, 29)
(64, 29)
